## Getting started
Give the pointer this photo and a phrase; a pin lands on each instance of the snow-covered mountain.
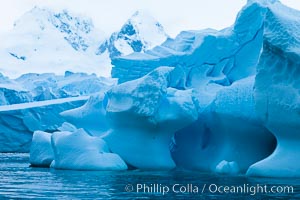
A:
(140, 33)
(44, 41)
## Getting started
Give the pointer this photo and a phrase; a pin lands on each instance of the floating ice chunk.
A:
(225, 167)
(41, 153)
(80, 151)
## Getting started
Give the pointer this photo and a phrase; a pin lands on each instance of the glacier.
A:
(32, 87)
(222, 101)
(18, 122)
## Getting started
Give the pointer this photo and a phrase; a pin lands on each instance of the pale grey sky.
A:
(109, 15)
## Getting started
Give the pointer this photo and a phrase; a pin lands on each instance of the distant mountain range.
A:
(43, 41)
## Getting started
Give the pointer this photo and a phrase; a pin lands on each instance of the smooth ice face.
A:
(84, 152)
(144, 114)
(91, 116)
(277, 92)
(41, 153)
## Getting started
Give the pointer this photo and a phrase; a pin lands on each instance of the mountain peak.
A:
(263, 1)
(143, 18)
(140, 33)
(142, 14)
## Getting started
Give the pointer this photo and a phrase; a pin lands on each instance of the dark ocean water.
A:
(19, 181)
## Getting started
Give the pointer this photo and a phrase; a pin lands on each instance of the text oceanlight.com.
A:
(246, 189)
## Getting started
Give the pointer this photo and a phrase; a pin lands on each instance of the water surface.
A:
(19, 181)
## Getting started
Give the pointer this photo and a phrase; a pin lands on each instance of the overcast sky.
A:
(109, 15)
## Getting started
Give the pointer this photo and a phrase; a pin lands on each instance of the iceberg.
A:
(245, 80)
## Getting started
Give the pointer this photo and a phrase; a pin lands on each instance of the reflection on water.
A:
(19, 181)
